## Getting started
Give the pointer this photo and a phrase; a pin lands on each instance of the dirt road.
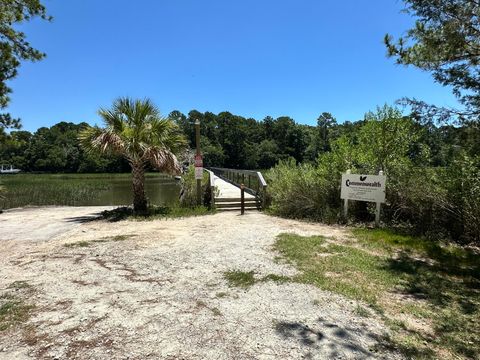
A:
(156, 289)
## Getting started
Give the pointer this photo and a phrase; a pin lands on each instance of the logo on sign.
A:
(363, 178)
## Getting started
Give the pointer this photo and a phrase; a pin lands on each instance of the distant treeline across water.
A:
(227, 141)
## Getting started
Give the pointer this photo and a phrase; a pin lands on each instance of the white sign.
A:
(198, 173)
(363, 187)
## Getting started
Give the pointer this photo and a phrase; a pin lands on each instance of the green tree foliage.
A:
(14, 47)
(325, 123)
(55, 149)
(237, 142)
(384, 140)
(446, 42)
(135, 130)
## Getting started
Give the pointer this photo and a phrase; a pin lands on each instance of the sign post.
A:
(345, 201)
(198, 169)
(369, 188)
(378, 207)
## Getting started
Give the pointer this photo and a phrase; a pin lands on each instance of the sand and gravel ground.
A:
(156, 290)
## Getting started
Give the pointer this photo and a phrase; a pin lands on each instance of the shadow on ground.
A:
(85, 218)
(329, 339)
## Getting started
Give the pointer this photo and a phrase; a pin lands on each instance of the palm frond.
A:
(105, 140)
(112, 119)
(163, 160)
(136, 130)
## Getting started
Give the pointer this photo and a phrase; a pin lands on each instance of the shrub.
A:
(188, 194)
(432, 201)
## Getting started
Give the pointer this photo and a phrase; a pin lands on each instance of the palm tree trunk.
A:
(138, 183)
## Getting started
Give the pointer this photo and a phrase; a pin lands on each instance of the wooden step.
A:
(218, 200)
(238, 209)
(236, 205)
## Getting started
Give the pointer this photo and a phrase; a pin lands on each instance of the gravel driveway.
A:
(156, 289)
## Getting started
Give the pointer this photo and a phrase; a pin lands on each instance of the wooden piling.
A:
(242, 199)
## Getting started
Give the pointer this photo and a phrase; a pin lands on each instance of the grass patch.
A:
(80, 244)
(362, 311)
(154, 212)
(245, 279)
(337, 268)
(17, 285)
(240, 278)
(13, 309)
(13, 312)
(404, 278)
(276, 278)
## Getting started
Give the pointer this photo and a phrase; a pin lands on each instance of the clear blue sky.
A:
(251, 57)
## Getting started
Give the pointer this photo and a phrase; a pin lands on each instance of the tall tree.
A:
(324, 124)
(136, 130)
(446, 42)
(14, 47)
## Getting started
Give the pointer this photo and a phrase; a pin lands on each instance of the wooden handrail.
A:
(238, 177)
(262, 180)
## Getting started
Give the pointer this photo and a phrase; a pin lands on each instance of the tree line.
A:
(233, 141)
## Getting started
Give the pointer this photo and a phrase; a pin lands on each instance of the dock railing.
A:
(254, 181)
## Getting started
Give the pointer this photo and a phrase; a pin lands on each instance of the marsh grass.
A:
(40, 189)
(66, 189)
(407, 281)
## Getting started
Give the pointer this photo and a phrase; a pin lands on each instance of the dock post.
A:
(242, 199)
(264, 198)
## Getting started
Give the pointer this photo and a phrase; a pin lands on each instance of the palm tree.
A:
(135, 130)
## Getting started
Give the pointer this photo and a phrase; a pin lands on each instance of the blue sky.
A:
(251, 57)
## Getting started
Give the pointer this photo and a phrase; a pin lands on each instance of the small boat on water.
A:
(8, 169)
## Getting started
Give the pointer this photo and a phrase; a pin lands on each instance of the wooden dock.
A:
(228, 196)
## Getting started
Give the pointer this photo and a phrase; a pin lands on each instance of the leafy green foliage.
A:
(55, 149)
(446, 42)
(236, 142)
(14, 47)
(188, 194)
(436, 201)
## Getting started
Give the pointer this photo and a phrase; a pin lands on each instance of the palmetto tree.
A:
(135, 130)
